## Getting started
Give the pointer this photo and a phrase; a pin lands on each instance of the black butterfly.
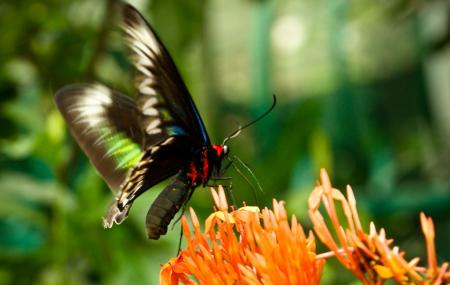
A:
(136, 143)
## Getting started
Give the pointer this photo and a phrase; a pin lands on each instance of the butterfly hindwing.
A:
(158, 163)
(163, 99)
(105, 124)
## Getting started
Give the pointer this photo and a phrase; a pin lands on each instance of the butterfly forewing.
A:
(105, 124)
(163, 99)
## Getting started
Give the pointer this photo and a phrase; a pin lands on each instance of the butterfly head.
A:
(221, 150)
(217, 153)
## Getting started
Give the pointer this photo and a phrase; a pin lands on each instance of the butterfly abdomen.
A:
(167, 204)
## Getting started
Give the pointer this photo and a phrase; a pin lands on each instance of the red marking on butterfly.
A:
(200, 169)
(219, 149)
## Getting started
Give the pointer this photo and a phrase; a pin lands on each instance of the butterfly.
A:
(135, 143)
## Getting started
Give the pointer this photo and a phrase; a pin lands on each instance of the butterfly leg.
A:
(183, 210)
(225, 182)
(229, 193)
(227, 187)
(225, 168)
(249, 171)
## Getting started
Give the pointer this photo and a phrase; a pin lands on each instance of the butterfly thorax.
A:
(205, 164)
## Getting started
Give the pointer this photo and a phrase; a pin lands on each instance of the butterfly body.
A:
(204, 165)
(136, 143)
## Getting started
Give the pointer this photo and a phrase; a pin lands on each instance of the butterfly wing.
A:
(171, 126)
(105, 125)
(163, 98)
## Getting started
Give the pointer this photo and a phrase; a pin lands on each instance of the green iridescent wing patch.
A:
(122, 149)
(105, 124)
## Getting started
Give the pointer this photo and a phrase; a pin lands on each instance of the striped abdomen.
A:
(167, 204)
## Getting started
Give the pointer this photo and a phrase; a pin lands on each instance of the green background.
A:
(363, 90)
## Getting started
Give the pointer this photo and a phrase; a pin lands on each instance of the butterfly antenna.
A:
(180, 240)
(239, 130)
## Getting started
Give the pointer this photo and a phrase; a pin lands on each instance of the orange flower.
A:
(250, 246)
(245, 246)
(370, 256)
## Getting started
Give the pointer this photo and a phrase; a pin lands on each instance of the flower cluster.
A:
(370, 256)
(245, 246)
(253, 246)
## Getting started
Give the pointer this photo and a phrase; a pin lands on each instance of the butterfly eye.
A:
(225, 149)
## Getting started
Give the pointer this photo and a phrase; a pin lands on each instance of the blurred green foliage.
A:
(362, 87)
